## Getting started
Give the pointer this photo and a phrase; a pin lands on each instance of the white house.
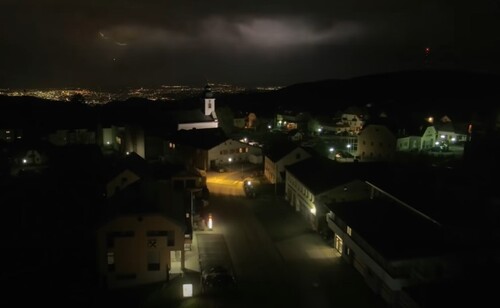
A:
(278, 158)
(210, 148)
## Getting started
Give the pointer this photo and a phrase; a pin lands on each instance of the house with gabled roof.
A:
(147, 223)
(141, 235)
(126, 172)
(279, 156)
(376, 143)
(432, 135)
(207, 149)
(316, 178)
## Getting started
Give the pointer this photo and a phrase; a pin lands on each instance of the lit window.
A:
(349, 231)
(111, 261)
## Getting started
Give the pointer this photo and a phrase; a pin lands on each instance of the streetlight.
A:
(210, 222)
(330, 150)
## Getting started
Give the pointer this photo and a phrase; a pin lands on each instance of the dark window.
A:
(126, 276)
(156, 233)
(178, 185)
(153, 260)
(110, 237)
(190, 183)
(170, 238)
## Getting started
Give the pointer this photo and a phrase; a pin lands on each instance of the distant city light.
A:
(443, 136)
(319, 130)
(25, 161)
(331, 150)
(230, 159)
(349, 146)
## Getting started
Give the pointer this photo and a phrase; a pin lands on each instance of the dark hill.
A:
(457, 92)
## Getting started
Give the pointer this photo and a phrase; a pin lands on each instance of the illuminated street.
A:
(278, 260)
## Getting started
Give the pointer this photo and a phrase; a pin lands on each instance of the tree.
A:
(225, 117)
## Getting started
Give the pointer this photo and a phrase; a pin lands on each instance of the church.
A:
(198, 118)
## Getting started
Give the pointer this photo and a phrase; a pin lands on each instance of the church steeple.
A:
(208, 96)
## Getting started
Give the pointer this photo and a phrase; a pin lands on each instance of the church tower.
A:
(209, 101)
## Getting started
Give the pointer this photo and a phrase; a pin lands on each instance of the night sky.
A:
(116, 43)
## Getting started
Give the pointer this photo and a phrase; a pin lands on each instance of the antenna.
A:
(427, 53)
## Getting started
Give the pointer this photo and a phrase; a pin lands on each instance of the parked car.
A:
(214, 270)
(217, 279)
(219, 283)
(249, 189)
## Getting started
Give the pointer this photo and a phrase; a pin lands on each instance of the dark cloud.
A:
(125, 42)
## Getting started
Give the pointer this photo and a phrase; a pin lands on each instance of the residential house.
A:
(27, 157)
(290, 119)
(316, 178)
(10, 134)
(62, 137)
(111, 139)
(127, 171)
(376, 143)
(141, 239)
(278, 157)
(209, 149)
(348, 122)
(434, 135)
(147, 223)
(408, 143)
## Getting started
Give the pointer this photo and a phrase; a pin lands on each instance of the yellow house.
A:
(139, 249)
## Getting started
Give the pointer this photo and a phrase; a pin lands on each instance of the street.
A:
(278, 259)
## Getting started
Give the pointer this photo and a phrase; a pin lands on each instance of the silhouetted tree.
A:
(226, 118)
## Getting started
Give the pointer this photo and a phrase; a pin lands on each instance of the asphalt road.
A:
(279, 261)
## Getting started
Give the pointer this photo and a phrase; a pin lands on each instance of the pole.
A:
(275, 179)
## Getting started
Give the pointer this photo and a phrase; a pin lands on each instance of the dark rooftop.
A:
(200, 138)
(395, 231)
(320, 174)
